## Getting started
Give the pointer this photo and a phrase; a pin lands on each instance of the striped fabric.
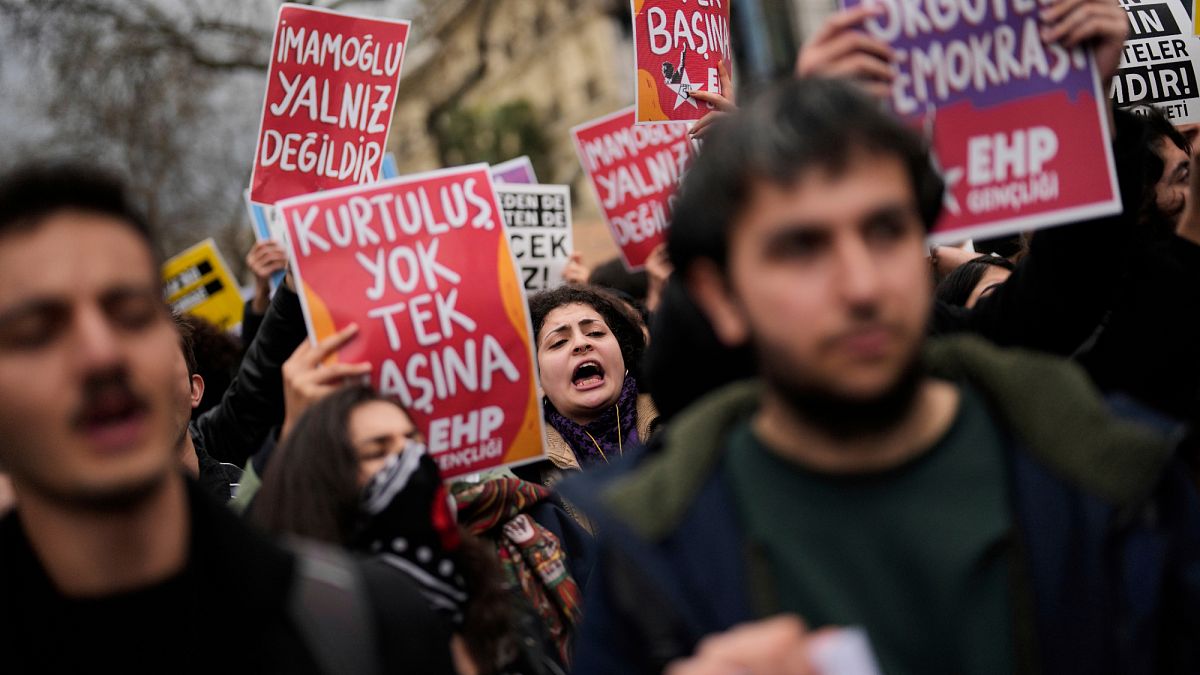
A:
(531, 555)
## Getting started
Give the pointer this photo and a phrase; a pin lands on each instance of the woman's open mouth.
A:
(588, 375)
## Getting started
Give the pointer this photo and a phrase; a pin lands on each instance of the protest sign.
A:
(422, 264)
(266, 228)
(634, 171)
(1019, 127)
(331, 90)
(1159, 62)
(519, 170)
(677, 46)
(197, 281)
(262, 221)
(388, 169)
(538, 220)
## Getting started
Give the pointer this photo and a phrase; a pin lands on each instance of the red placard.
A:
(422, 264)
(635, 170)
(677, 46)
(331, 91)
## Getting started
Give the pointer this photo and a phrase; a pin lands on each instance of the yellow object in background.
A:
(199, 282)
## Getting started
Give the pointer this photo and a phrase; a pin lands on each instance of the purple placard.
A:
(1018, 126)
(519, 171)
(994, 47)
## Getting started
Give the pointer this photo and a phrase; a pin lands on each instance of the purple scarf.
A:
(603, 428)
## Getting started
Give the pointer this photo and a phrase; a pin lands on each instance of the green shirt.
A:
(917, 555)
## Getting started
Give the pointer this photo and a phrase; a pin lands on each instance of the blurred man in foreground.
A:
(975, 510)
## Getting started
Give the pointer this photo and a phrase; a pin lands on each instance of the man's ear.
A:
(710, 290)
(197, 390)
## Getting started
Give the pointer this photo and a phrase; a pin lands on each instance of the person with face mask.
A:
(354, 472)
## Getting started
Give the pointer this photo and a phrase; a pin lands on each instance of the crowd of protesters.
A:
(799, 425)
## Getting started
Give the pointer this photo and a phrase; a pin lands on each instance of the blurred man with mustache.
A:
(112, 560)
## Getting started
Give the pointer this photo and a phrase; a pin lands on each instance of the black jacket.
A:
(230, 611)
(1147, 347)
(1105, 544)
(253, 404)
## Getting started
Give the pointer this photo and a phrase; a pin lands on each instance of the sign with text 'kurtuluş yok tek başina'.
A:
(422, 264)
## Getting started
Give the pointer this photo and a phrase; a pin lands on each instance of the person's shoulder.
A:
(411, 636)
(392, 591)
(647, 416)
(1049, 407)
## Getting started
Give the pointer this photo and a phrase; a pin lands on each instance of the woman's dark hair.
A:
(789, 129)
(621, 319)
(956, 288)
(311, 489)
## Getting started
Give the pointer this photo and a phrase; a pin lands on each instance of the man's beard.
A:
(839, 416)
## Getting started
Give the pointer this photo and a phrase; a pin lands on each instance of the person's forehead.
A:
(374, 418)
(1170, 153)
(828, 195)
(570, 314)
(73, 253)
(996, 272)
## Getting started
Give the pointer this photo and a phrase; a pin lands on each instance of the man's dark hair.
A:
(621, 319)
(789, 129)
(1140, 137)
(31, 193)
(187, 340)
(1159, 129)
(956, 288)
(211, 353)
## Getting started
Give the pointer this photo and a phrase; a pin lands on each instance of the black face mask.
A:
(408, 520)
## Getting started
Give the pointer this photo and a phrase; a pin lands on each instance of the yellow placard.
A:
(199, 282)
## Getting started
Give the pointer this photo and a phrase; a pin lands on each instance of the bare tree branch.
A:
(151, 24)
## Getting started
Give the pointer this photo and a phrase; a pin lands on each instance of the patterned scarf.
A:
(603, 429)
(532, 557)
(410, 524)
